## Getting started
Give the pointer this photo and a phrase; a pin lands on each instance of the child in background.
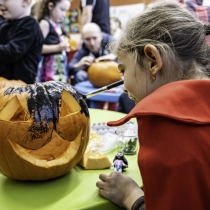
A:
(116, 27)
(21, 41)
(51, 14)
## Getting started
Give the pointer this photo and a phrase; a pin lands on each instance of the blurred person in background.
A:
(50, 14)
(94, 49)
(201, 12)
(1, 17)
(96, 11)
(34, 8)
(21, 41)
(195, 7)
(116, 26)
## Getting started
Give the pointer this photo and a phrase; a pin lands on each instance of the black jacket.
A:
(21, 43)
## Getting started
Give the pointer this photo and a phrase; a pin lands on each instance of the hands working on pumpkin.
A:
(109, 57)
(84, 62)
(119, 189)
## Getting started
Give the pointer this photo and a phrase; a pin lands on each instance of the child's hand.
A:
(119, 189)
(109, 57)
(64, 45)
(86, 61)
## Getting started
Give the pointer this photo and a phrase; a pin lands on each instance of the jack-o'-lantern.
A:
(103, 73)
(6, 83)
(44, 130)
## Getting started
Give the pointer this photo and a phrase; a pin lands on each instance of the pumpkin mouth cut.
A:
(58, 150)
(33, 135)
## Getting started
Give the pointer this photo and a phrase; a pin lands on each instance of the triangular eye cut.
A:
(64, 109)
(20, 115)
(68, 104)
(13, 111)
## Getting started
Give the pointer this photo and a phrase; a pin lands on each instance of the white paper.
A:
(206, 2)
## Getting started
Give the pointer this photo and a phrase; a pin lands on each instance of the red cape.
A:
(174, 136)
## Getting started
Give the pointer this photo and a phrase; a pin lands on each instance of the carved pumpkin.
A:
(103, 73)
(6, 83)
(44, 130)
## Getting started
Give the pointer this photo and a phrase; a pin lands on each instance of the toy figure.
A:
(120, 162)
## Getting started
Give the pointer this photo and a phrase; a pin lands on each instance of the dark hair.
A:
(42, 9)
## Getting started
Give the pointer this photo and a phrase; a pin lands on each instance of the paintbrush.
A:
(100, 90)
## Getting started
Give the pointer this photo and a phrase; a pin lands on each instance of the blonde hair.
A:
(178, 36)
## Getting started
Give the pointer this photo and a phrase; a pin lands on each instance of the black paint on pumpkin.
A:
(43, 105)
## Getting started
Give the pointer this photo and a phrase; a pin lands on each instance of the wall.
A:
(124, 12)
(75, 3)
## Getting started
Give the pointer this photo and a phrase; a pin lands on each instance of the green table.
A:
(75, 190)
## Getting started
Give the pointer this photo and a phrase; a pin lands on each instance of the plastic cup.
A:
(127, 140)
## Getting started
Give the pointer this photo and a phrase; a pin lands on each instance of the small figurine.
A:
(120, 162)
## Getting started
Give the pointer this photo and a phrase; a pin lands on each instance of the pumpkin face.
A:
(7, 83)
(103, 73)
(44, 130)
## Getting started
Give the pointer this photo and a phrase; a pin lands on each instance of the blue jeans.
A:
(80, 76)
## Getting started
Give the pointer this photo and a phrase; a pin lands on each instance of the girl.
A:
(165, 59)
(50, 15)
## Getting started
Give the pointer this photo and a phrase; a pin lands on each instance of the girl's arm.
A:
(45, 28)
(47, 49)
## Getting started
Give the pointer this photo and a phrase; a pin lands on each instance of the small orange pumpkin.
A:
(73, 44)
(103, 73)
(44, 130)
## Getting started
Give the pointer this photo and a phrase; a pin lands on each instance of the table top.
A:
(73, 191)
(87, 87)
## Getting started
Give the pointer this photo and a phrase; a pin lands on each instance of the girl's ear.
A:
(50, 5)
(154, 59)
